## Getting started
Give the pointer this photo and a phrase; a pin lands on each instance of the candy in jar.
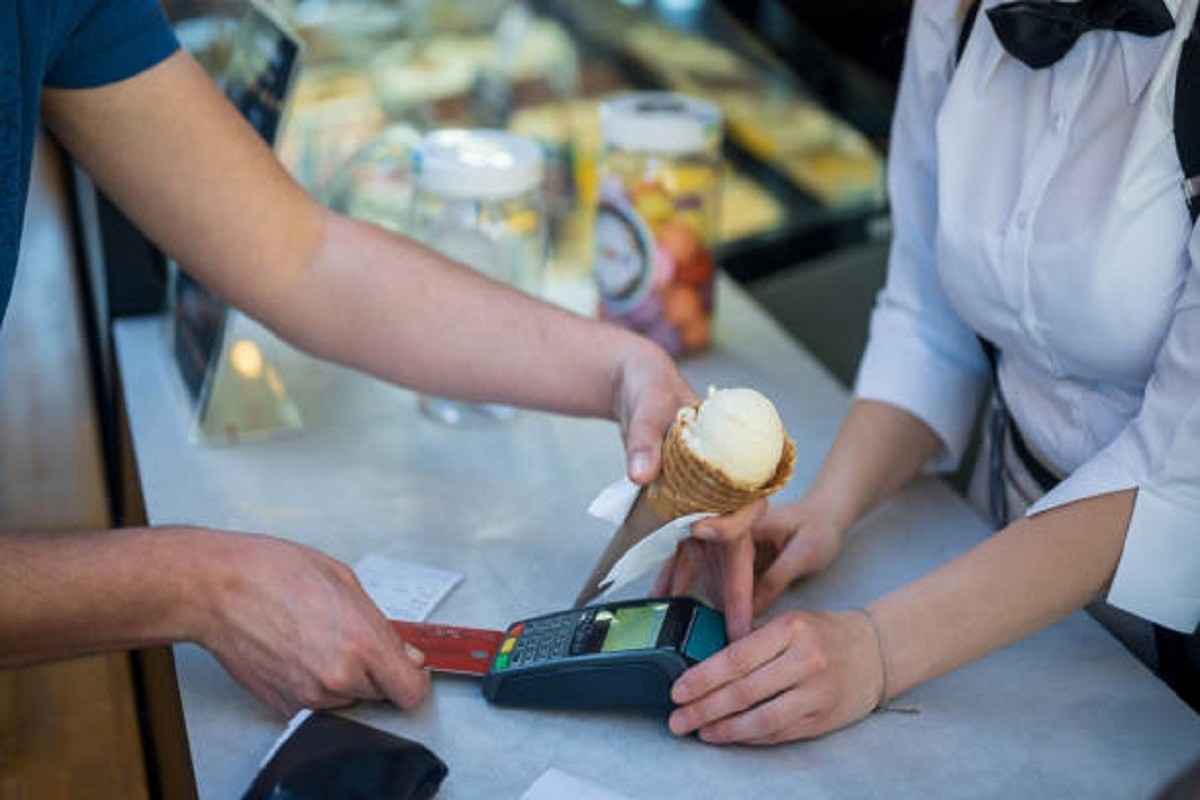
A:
(656, 216)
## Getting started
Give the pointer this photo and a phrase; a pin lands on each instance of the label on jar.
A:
(624, 256)
(652, 262)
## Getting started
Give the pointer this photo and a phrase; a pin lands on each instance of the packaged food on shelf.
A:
(765, 115)
(541, 50)
(795, 135)
(849, 174)
(746, 208)
(476, 78)
(686, 62)
(429, 77)
(333, 112)
(455, 16)
(346, 31)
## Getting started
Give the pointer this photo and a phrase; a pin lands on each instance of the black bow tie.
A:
(1040, 33)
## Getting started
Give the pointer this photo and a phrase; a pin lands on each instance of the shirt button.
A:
(1021, 220)
(1057, 121)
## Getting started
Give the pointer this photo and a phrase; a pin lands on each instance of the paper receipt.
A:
(404, 589)
(554, 784)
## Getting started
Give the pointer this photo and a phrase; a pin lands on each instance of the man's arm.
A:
(290, 624)
(175, 156)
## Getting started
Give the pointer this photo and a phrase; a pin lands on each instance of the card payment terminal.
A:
(623, 654)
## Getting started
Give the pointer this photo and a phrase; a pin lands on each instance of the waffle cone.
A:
(688, 484)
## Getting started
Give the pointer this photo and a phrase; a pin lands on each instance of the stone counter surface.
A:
(1065, 713)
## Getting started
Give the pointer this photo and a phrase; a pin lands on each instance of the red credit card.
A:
(449, 648)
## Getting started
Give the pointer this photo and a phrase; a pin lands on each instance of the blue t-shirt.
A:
(66, 44)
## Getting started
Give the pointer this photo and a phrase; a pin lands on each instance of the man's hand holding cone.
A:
(723, 455)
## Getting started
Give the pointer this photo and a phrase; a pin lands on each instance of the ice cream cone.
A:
(687, 484)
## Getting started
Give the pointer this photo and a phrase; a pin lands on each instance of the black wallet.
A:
(330, 757)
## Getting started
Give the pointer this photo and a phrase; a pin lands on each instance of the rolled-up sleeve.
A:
(1158, 453)
(112, 40)
(920, 355)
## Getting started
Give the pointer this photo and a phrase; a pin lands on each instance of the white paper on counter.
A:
(404, 589)
(613, 504)
(554, 784)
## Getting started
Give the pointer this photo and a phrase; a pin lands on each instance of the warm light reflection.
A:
(275, 384)
(246, 359)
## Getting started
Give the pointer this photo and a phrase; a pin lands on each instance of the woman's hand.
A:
(791, 541)
(296, 629)
(802, 675)
(747, 574)
(717, 565)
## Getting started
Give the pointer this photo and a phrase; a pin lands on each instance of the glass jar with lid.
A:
(478, 200)
(655, 223)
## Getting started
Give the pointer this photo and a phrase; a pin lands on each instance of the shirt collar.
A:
(995, 51)
(1140, 55)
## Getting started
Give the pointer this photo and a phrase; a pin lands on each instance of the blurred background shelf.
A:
(795, 88)
(806, 125)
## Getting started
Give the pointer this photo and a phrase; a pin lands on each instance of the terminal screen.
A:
(633, 627)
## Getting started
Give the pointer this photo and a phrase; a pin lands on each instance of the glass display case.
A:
(800, 180)
(801, 176)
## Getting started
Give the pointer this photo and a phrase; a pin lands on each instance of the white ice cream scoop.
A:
(738, 431)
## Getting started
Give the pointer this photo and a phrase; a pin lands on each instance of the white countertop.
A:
(1065, 713)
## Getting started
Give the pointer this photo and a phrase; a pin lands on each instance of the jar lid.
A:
(659, 122)
(484, 164)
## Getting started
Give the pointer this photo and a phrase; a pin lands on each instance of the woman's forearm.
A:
(1027, 576)
(878, 449)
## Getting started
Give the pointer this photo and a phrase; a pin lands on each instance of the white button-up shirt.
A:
(1043, 209)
